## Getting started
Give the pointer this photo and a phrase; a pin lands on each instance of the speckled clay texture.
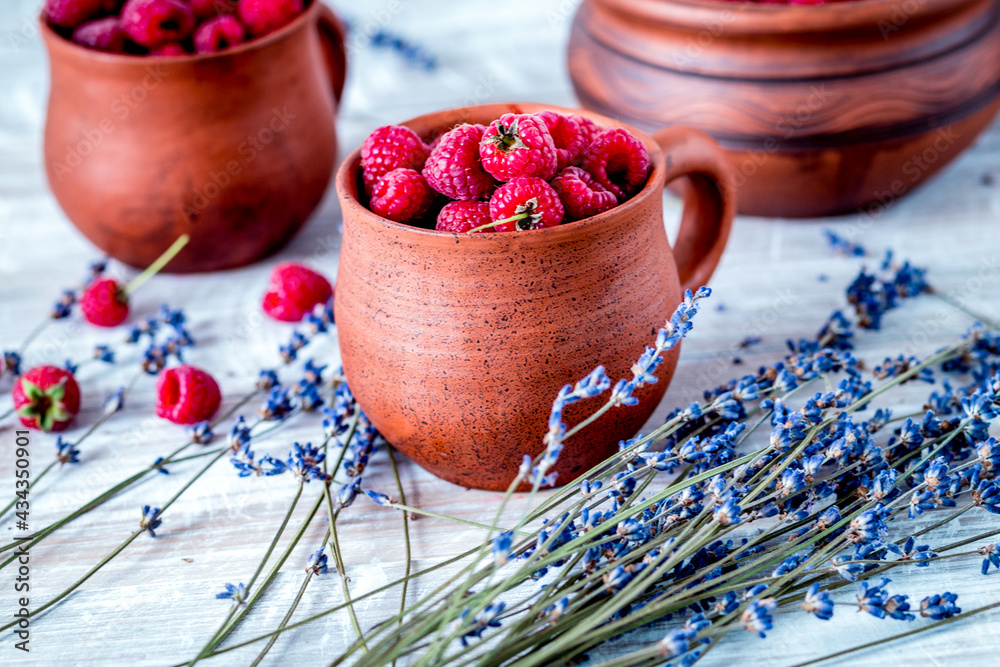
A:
(455, 345)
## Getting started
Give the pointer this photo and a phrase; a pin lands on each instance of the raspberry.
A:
(207, 9)
(217, 34)
(618, 161)
(453, 167)
(261, 16)
(463, 216)
(151, 23)
(294, 291)
(589, 130)
(526, 195)
(103, 34)
(391, 147)
(169, 49)
(402, 195)
(581, 195)
(46, 398)
(104, 303)
(71, 13)
(518, 145)
(186, 395)
(566, 135)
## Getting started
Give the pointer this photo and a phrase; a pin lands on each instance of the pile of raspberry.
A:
(168, 27)
(522, 172)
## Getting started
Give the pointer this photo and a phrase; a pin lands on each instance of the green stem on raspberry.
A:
(495, 223)
(158, 265)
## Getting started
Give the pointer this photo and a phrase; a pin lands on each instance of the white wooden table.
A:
(155, 603)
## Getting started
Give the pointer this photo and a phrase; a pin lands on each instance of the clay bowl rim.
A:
(770, 19)
(55, 40)
(346, 183)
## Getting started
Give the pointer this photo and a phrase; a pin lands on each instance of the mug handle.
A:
(709, 201)
(333, 39)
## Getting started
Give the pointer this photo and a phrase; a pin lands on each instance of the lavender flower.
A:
(239, 434)
(278, 406)
(304, 461)
(12, 362)
(842, 246)
(487, 618)
(501, 548)
(379, 498)
(940, 607)
(910, 550)
(817, 602)
(348, 492)
(874, 599)
(756, 618)
(991, 556)
(150, 519)
(727, 513)
(317, 563)
(63, 307)
(237, 593)
(267, 380)
(66, 452)
(105, 354)
(115, 402)
(201, 433)
(868, 526)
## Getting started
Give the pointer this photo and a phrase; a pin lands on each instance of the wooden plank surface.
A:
(155, 603)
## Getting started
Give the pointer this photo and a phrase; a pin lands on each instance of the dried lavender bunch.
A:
(655, 536)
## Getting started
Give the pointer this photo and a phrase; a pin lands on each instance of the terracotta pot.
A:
(822, 109)
(234, 148)
(455, 345)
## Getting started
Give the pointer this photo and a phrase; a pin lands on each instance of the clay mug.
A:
(234, 148)
(455, 345)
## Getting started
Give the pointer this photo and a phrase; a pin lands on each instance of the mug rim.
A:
(52, 38)
(347, 178)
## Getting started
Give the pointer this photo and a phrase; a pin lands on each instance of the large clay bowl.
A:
(823, 109)
(456, 345)
(235, 148)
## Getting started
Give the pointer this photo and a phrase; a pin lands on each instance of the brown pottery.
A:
(455, 345)
(823, 109)
(235, 148)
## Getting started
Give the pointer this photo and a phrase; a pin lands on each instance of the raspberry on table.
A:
(104, 34)
(526, 195)
(71, 13)
(402, 195)
(618, 161)
(518, 145)
(218, 34)
(294, 290)
(186, 395)
(207, 9)
(151, 23)
(463, 216)
(104, 303)
(566, 135)
(391, 147)
(581, 195)
(262, 16)
(46, 398)
(453, 167)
